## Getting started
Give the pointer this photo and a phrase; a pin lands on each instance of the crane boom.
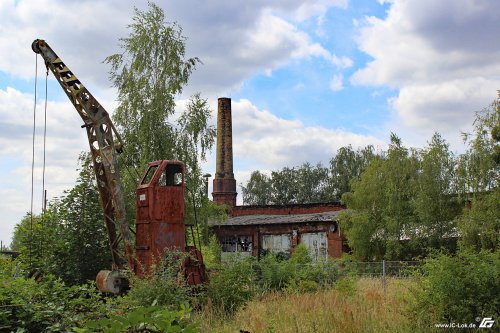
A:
(100, 130)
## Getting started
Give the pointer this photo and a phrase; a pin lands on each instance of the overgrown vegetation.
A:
(402, 203)
(48, 306)
(366, 310)
(458, 288)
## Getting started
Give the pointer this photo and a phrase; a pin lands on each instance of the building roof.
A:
(277, 219)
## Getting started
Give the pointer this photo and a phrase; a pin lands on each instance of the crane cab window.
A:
(149, 175)
(171, 176)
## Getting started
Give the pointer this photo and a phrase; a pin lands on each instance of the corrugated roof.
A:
(277, 219)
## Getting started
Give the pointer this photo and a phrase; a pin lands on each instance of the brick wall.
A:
(287, 209)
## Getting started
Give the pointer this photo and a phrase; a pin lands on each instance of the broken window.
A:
(149, 174)
(236, 243)
(171, 176)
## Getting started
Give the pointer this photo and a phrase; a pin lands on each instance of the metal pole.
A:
(45, 202)
(206, 176)
(384, 282)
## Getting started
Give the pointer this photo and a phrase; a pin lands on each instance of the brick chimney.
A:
(224, 189)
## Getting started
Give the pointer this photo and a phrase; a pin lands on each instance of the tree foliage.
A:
(478, 170)
(347, 165)
(479, 181)
(410, 201)
(150, 74)
(381, 202)
(458, 288)
(257, 190)
(308, 183)
(436, 203)
(69, 240)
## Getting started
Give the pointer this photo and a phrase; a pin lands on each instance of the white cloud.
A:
(65, 140)
(81, 33)
(319, 8)
(441, 56)
(274, 142)
(336, 83)
(233, 40)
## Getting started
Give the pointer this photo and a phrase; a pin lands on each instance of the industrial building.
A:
(256, 230)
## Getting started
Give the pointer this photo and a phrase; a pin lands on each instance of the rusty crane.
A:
(160, 207)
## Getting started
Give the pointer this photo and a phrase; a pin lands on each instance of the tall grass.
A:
(356, 306)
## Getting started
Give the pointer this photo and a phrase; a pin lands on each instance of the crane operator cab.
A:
(160, 213)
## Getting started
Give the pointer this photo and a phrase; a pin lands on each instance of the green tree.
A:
(149, 74)
(478, 181)
(34, 238)
(477, 169)
(363, 223)
(82, 248)
(347, 165)
(312, 184)
(382, 217)
(304, 184)
(436, 203)
(257, 190)
(283, 186)
(479, 226)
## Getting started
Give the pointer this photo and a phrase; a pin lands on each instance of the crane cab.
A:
(159, 213)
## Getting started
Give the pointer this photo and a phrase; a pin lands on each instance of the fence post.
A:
(384, 282)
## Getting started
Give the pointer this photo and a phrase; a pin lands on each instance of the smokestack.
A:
(224, 190)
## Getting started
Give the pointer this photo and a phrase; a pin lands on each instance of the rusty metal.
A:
(114, 282)
(100, 131)
(160, 220)
(160, 195)
(193, 267)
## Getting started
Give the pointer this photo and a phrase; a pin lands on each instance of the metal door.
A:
(316, 243)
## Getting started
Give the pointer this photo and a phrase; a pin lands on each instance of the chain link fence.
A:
(276, 274)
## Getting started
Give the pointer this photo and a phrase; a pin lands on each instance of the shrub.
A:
(300, 255)
(164, 286)
(459, 288)
(347, 286)
(212, 253)
(299, 273)
(273, 273)
(297, 286)
(48, 306)
(231, 286)
(152, 319)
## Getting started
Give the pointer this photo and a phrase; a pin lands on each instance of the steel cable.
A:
(44, 145)
(33, 165)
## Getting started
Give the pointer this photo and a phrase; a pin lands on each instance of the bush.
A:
(297, 286)
(152, 319)
(48, 306)
(273, 273)
(459, 288)
(231, 286)
(299, 273)
(164, 286)
(347, 286)
(212, 253)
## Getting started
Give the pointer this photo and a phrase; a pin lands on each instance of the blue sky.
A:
(305, 78)
(301, 89)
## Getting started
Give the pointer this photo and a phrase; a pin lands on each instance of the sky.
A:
(305, 78)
